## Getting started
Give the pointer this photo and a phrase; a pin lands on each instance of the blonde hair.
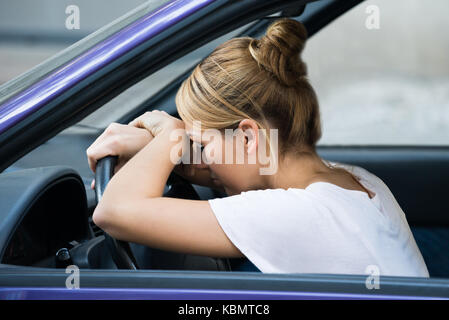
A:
(264, 80)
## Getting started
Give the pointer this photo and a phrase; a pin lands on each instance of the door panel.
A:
(229, 285)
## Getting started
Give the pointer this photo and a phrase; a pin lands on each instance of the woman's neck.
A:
(298, 171)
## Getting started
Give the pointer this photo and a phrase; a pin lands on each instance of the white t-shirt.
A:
(322, 229)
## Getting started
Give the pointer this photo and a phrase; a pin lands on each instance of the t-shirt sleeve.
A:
(264, 224)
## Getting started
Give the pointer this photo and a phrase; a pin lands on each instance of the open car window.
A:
(383, 68)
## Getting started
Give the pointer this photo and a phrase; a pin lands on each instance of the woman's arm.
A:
(133, 209)
(125, 141)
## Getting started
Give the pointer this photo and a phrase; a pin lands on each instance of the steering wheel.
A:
(120, 250)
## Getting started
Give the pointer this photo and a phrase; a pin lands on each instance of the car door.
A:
(197, 22)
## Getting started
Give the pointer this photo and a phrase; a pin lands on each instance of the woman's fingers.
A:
(94, 151)
(156, 121)
(100, 150)
(117, 140)
(148, 121)
(92, 184)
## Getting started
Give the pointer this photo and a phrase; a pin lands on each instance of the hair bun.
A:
(278, 51)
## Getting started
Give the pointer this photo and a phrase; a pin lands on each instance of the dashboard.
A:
(45, 210)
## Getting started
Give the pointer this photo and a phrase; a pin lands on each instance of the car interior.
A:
(45, 220)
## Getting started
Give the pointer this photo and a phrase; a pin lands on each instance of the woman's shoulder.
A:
(359, 172)
(384, 200)
(368, 179)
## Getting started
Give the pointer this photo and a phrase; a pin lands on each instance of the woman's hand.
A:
(119, 140)
(157, 122)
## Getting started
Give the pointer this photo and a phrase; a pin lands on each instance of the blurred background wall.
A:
(33, 30)
(44, 20)
(388, 85)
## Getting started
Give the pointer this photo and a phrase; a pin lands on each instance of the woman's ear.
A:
(250, 131)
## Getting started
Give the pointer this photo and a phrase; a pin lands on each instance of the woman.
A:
(301, 215)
